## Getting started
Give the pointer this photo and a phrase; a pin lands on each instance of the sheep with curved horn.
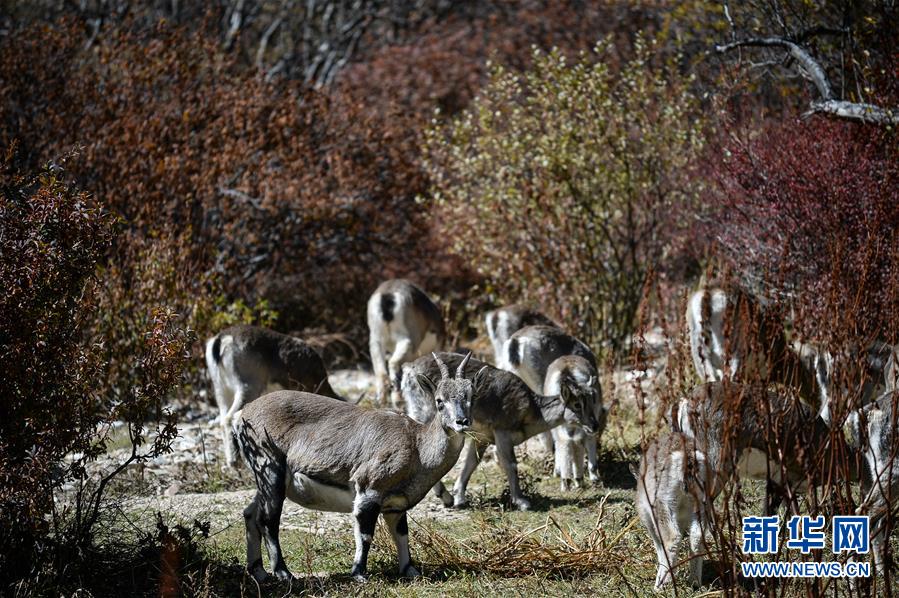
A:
(505, 412)
(329, 455)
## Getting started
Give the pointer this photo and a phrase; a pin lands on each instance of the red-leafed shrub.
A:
(53, 238)
(280, 192)
(446, 63)
(808, 212)
(804, 215)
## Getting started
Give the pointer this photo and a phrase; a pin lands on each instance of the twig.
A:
(235, 194)
(868, 113)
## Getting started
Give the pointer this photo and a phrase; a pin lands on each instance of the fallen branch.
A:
(858, 111)
(809, 64)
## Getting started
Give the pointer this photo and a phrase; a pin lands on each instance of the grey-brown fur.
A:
(733, 336)
(671, 485)
(529, 352)
(505, 412)
(850, 373)
(572, 443)
(879, 370)
(403, 323)
(738, 424)
(891, 369)
(330, 455)
(503, 322)
(874, 429)
(531, 349)
(775, 422)
(813, 376)
(724, 426)
(246, 361)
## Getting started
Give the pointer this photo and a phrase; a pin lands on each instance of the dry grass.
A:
(547, 550)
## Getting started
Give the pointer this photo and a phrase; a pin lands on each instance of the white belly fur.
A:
(428, 344)
(305, 491)
(753, 464)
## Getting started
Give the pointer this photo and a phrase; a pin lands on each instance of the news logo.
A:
(760, 534)
(848, 534)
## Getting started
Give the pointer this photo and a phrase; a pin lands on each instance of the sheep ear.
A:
(565, 390)
(426, 384)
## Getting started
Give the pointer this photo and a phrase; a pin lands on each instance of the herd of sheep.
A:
(305, 443)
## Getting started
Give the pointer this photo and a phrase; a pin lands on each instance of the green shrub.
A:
(562, 185)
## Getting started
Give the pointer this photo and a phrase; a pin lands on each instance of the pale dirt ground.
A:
(189, 482)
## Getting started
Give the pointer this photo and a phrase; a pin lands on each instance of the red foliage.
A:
(812, 209)
(445, 63)
(304, 198)
(296, 196)
(52, 237)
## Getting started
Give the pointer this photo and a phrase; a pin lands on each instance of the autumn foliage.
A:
(808, 214)
(168, 175)
(297, 197)
(571, 178)
(52, 238)
(56, 415)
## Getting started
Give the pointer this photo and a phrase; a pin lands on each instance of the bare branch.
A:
(765, 64)
(236, 22)
(868, 113)
(266, 36)
(827, 104)
(240, 195)
(809, 64)
(733, 28)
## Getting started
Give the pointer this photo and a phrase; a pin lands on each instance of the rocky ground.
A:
(191, 481)
(190, 484)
